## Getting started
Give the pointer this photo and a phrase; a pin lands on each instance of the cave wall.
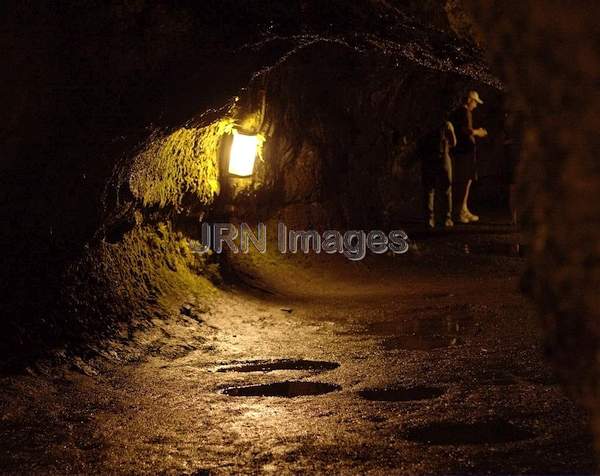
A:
(108, 104)
(345, 131)
(342, 150)
(87, 86)
(547, 52)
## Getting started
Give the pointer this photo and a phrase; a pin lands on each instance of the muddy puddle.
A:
(288, 389)
(279, 364)
(427, 333)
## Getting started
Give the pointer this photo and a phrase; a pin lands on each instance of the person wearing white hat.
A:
(465, 153)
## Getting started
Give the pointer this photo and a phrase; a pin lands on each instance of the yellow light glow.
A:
(243, 154)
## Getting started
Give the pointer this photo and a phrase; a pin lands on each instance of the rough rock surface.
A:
(449, 330)
(546, 52)
(108, 105)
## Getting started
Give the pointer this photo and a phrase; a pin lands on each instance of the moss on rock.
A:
(184, 161)
(146, 275)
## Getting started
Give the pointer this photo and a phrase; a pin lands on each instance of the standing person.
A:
(465, 154)
(437, 171)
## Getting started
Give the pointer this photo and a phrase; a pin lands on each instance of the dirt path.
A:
(428, 367)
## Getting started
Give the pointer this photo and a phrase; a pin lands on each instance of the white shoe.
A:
(464, 217)
(471, 216)
(431, 222)
(448, 223)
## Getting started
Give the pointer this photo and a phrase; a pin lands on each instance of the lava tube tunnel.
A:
(321, 237)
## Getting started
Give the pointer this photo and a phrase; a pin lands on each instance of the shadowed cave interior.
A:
(126, 351)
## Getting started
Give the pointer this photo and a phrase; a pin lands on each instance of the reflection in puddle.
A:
(425, 333)
(479, 433)
(288, 389)
(281, 364)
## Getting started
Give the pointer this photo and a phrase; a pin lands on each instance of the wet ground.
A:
(427, 363)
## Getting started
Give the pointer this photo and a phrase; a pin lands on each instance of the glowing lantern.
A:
(243, 154)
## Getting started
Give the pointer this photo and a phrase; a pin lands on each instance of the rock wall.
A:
(113, 113)
(344, 136)
(547, 52)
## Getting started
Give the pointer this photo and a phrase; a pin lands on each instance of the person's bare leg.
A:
(430, 200)
(463, 214)
(464, 207)
(471, 216)
(449, 222)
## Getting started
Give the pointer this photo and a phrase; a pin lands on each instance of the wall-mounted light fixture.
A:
(244, 150)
